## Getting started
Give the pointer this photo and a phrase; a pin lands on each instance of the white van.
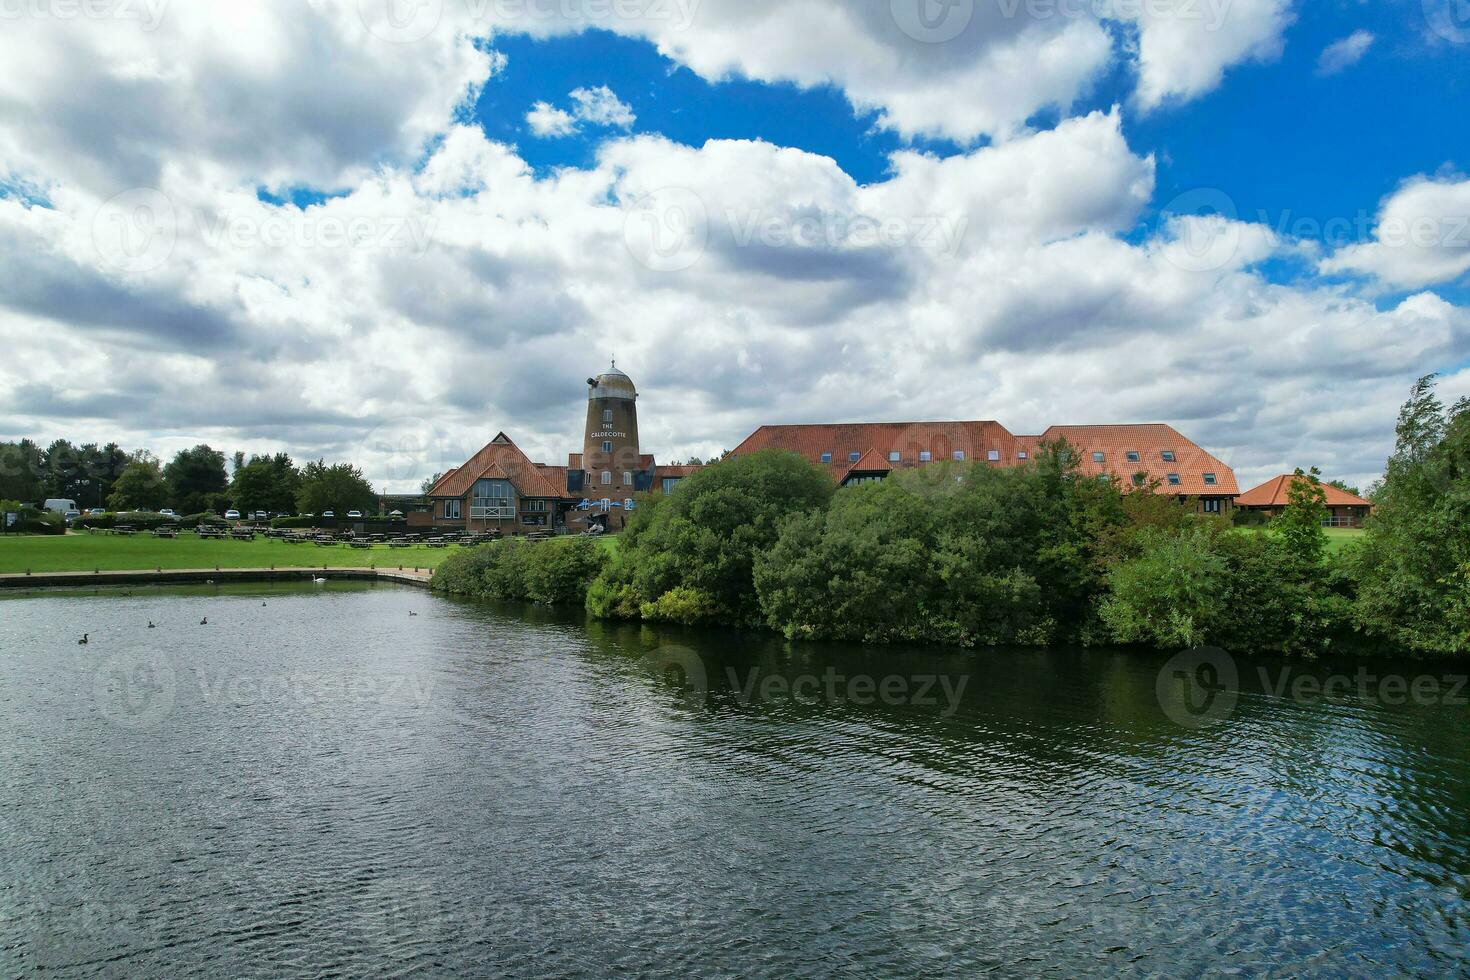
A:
(59, 506)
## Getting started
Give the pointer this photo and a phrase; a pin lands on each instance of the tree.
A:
(1413, 568)
(1344, 487)
(430, 482)
(1300, 524)
(196, 479)
(141, 486)
(704, 540)
(339, 488)
(21, 471)
(268, 483)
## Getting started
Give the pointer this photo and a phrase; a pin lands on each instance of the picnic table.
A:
(243, 534)
(165, 532)
(125, 530)
(360, 544)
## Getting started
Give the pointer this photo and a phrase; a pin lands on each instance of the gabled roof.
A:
(869, 462)
(1150, 441)
(501, 459)
(1273, 493)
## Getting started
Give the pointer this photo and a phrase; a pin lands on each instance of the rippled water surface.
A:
(318, 782)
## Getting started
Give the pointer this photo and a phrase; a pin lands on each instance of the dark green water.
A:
(325, 785)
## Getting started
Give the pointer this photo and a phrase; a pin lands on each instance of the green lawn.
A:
(1338, 538)
(85, 552)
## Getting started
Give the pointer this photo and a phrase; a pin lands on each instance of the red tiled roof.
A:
(874, 441)
(501, 459)
(940, 439)
(869, 462)
(1149, 441)
(1272, 493)
(675, 472)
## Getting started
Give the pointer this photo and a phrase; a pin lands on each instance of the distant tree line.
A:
(194, 481)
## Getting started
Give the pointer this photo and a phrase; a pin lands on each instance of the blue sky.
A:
(349, 221)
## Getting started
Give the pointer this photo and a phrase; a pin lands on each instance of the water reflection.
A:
(326, 784)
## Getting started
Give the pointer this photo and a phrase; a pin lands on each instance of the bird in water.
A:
(83, 640)
(262, 603)
(151, 626)
(204, 621)
(319, 581)
(412, 613)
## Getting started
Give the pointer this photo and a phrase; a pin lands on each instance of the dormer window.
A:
(1167, 455)
(1134, 456)
(1211, 480)
(1173, 479)
(1099, 457)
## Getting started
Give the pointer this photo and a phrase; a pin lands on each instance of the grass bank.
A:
(110, 553)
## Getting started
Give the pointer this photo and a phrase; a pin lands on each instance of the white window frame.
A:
(607, 478)
(827, 459)
(993, 456)
(497, 508)
(959, 455)
(925, 456)
(894, 456)
(627, 478)
(451, 510)
(607, 416)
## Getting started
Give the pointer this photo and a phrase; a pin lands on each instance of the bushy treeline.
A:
(551, 572)
(973, 555)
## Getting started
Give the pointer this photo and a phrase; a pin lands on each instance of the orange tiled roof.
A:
(1150, 441)
(872, 442)
(941, 440)
(1272, 493)
(675, 472)
(501, 459)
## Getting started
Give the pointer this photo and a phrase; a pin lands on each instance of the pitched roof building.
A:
(1344, 509)
(1132, 454)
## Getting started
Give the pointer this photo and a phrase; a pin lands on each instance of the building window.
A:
(1099, 457)
(1022, 455)
(607, 447)
(1134, 456)
(853, 457)
(1102, 478)
(827, 458)
(1173, 479)
(1167, 455)
(607, 416)
(959, 455)
(1210, 480)
(993, 455)
(925, 456)
(627, 478)
(1138, 479)
(1212, 506)
(670, 483)
(493, 500)
(451, 510)
(533, 520)
(535, 507)
(606, 478)
(894, 456)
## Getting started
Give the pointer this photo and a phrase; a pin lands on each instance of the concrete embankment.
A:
(199, 576)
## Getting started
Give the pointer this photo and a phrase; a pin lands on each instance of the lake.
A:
(358, 779)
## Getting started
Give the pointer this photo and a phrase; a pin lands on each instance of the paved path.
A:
(35, 580)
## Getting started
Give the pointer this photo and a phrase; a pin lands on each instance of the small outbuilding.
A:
(1270, 498)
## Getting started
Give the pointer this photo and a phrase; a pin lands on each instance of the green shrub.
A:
(706, 538)
(294, 522)
(551, 572)
(92, 522)
(32, 520)
(208, 518)
(681, 604)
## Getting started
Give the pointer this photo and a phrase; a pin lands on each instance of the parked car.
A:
(72, 515)
(232, 515)
(328, 513)
(354, 514)
(168, 512)
(59, 505)
(260, 515)
(96, 512)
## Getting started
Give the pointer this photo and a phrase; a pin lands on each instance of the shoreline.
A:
(200, 576)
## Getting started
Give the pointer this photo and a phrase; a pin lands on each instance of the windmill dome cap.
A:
(613, 383)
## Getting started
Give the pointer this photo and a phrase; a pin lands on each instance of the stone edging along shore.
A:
(201, 576)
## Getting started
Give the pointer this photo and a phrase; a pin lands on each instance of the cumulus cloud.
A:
(448, 291)
(1421, 237)
(1342, 55)
(596, 106)
(1185, 46)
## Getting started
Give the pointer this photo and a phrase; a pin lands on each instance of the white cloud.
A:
(1185, 46)
(601, 107)
(1342, 55)
(450, 292)
(547, 120)
(596, 106)
(1421, 237)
